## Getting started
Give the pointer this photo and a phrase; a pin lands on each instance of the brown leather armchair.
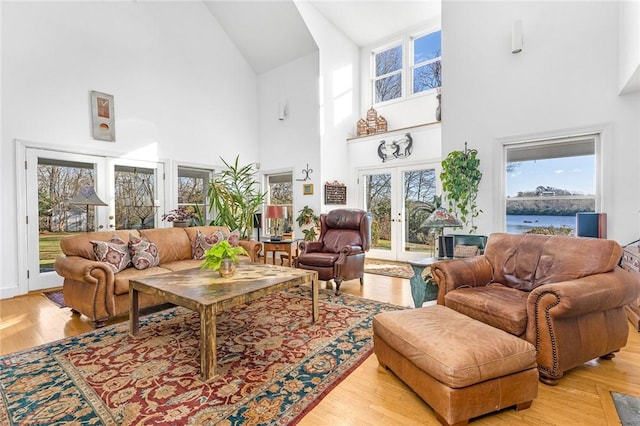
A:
(345, 236)
(564, 295)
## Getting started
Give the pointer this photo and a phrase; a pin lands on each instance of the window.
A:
(426, 68)
(280, 192)
(387, 78)
(193, 184)
(548, 182)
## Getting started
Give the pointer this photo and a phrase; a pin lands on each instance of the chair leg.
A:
(361, 281)
(338, 281)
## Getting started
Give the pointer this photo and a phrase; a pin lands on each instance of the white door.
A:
(400, 199)
(128, 189)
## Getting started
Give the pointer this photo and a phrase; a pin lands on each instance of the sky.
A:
(575, 174)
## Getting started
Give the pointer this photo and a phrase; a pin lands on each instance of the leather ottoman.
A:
(461, 367)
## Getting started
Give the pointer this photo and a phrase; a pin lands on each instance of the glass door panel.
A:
(419, 189)
(377, 201)
(135, 199)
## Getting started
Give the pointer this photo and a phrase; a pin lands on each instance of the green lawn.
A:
(50, 248)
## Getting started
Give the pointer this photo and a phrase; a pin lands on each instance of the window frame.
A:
(594, 137)
(406, 42)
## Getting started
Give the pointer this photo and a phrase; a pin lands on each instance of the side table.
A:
(422, 290)
(286, 246)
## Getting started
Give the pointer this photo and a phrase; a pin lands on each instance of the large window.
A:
(422, 65)
(427, 67)
(387, 78)
(193, 184)
(280, 192)
(548, 182)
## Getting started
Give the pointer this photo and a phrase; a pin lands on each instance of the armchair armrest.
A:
(252, 247)
(593, 293)
(309, 246)
(348, 251)
(466, 272)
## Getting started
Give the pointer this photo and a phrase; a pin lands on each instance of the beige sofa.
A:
(92, 288)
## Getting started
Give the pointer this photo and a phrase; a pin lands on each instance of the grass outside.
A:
(386, 245)
(50, 248)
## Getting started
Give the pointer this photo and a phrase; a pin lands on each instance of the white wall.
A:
(294, 142)
(179, 85)
(629, 39)
(566, 78)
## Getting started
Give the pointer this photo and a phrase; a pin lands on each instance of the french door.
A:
(68, 193)
(400, 199)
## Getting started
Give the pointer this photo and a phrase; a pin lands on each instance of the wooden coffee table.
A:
(207, 293)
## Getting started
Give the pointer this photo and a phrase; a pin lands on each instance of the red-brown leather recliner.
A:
(565, 295)
(338, 255)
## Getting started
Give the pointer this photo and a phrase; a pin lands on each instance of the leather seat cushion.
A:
(318, 259)
(454, 349)
(497, 305)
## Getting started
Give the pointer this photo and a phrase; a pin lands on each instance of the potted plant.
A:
(235, 196)
(460, 178)
(180, 217)
(223, 257)
(309, 222)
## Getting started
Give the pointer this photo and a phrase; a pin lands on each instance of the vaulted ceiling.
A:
(272, 33)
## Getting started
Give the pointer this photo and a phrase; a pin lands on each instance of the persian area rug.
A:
(274, 365)
(388, 268)
(56, 297)
(628, 408)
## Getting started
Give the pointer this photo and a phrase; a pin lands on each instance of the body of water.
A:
(517, 224)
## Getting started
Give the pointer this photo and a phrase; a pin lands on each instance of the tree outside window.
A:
(387, 79)
(427, 64)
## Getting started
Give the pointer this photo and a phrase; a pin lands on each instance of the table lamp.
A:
(276, 212)
(439, 219)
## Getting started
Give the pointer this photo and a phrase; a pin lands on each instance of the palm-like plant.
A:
(235, 196)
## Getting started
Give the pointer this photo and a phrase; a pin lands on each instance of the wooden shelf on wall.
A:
(402, 129)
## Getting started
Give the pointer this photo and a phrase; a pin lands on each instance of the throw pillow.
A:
(203, 243)
(113, 252)
(465, 251)
(144, 253)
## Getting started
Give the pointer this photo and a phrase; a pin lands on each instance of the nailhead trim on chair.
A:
(554, 348)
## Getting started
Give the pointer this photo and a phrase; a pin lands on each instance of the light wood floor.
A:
(372, 395)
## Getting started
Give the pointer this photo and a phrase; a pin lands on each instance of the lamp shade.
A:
(87, 197)
(441, 218)
(275, 212)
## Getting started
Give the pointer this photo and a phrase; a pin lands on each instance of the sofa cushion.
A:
(144, 253)
(121, 279)
(499, 306)
(80, 244)
(173, 243)
(431, 338)
(461, 250)
(114, 252)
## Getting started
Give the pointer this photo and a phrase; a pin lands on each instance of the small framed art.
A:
(307, 189)
(102, 118)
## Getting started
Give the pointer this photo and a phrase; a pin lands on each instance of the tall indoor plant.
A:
(460, 179)
(235, 196)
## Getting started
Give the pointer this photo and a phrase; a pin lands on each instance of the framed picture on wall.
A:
(307, 189)
(102, 118)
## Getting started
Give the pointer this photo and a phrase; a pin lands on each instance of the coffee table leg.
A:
(208, 343)
(134, 313)
(315, 314)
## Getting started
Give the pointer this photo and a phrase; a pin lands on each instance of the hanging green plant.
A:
(460, 179)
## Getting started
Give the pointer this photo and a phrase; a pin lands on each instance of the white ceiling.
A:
(272, 33)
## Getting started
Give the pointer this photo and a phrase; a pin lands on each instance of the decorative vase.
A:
(180, 224)
(227, 268)
(438, 116)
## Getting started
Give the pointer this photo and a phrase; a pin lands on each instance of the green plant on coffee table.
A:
(308, 217)
(214, 256)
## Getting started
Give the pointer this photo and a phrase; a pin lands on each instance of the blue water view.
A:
(517, 224)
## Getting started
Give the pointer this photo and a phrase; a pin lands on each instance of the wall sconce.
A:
(516, 37)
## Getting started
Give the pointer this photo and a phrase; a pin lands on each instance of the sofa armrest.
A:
(78, 268)
(467, 272)
(252, 247)
(593, 293)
